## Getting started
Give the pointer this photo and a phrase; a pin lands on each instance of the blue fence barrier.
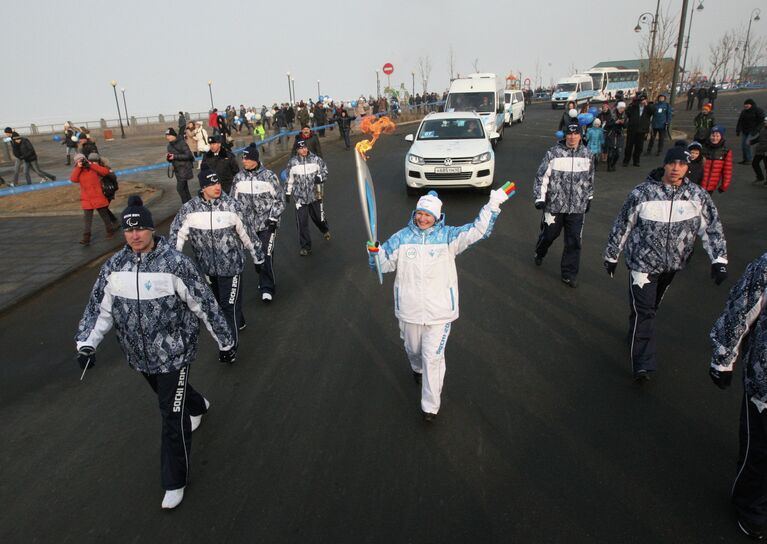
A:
(19, 189)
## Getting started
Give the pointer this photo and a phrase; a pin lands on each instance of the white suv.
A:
(450, 150)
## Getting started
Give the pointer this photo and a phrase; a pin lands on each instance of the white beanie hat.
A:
(621, 105)
(430, 203)
(597, 123)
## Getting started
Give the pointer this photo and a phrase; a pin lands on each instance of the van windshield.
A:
(451, 129)
(565, 87)
(480, 102)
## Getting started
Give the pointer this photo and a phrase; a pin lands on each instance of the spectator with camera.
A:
(181, 159)
(88, 175)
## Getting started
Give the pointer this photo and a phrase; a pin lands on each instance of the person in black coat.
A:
(182, 159)
(345, 126)
(24, 151)
(749, 123)
(691, 97)
(713, 93)
(310, 139)
(638, 115)
(222, 161)
(320, 118)
(702, 95)
(695, 170)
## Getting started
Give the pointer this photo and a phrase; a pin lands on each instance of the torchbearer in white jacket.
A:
(426, 286)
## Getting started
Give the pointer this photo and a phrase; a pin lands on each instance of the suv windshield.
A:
(565, 88)
(481, 102)
(451, 129)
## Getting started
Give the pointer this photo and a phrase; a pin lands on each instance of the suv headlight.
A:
(482, 157)
(415, 159)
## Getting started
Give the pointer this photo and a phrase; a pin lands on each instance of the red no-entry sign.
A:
(388, 68)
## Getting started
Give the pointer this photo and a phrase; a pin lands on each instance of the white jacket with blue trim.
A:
(426, 285)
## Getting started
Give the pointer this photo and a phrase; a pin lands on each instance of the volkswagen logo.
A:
(448, 161)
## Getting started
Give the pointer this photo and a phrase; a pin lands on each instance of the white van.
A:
(483, 94)
(513, 106)
(578, 88)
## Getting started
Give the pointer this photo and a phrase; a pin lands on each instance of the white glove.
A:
(497, 197)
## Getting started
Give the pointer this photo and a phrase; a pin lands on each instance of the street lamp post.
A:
(643, 18)
(125, 107)
(753, 17)
(293, 83)
(210, 91)
(117, 103)
(413, 74)
(378, 86)
(678, 55)
(319, 94)
(290, 91)
(687, 41)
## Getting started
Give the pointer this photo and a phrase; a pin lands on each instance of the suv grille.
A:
(456, 160)
(447, 177)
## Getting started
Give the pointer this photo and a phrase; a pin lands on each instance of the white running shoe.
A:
(196, 420)
(266, 297)
(172, 498)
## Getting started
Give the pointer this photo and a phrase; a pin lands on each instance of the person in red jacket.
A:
(88, 175)
(213, 121)
(717, 169)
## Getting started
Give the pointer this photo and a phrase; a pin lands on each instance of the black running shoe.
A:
(417, 377)
(428, 417)
(641, 376)
(570, 282)
(538, 260)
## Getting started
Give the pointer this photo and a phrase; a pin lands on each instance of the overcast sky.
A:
(59, 56)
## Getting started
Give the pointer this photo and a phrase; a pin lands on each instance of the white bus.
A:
(575, 88)
(614, 83)
(482, 93)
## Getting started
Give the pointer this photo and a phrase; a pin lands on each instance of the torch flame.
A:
(371, 125)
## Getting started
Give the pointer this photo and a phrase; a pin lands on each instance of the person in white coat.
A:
(426, 286)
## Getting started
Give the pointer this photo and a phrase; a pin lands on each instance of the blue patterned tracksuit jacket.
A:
(659, 223)
(261, 195)
(218, 233)
(741, 330)
(565, 179)
(301, 182)
(155, 301)
(426, 285)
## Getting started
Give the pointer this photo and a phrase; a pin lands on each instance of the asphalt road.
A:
(315, 434)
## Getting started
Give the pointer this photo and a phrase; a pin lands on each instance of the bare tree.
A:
(721, 53)
(658, 73)
(424, 71)
(451, 62)
(475, 64)
(756, 51)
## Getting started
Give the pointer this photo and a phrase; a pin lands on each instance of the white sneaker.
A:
(266, 297)
(196, 420)
(173, 498)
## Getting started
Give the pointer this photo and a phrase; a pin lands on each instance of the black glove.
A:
(718, 272)
(271, 224)
(720, 190)
(287, 198)
(318, 180)
(610, 267)
(722, 378)
(86, 356)
(227, 356)
(539, 205)
(588, 206)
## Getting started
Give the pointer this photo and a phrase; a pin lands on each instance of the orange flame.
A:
(371, 125)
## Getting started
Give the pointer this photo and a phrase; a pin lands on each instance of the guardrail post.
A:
(133, 121)
(161, 118)
(103, 123)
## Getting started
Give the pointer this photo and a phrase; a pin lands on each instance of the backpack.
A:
(109, 185)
